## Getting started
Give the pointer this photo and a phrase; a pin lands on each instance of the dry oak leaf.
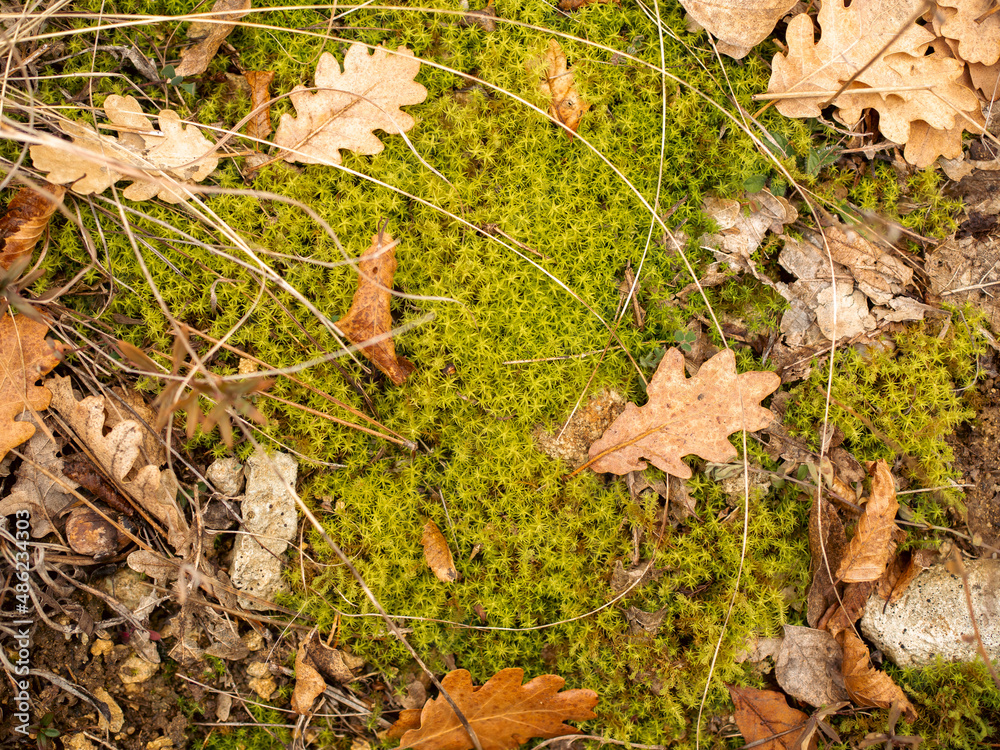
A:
(685, 416)
(875, 538)
(309, 683)
(739, 25)
(210, 36)
(181, 153)
(437, 554)
(117, 452)
(27, 216)
(762, 715)
(347, 106)
(977, 33)
(25, 356)
(369, 317)
(503, 712)
(908, 85)
(865, 685)
(558, 85)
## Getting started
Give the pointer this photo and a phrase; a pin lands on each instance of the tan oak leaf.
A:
(738, 25)
(181, 153)
(878, 51)
(26, 218)
(976, 30)
(686, 416)
(25, 356)
(347, 106)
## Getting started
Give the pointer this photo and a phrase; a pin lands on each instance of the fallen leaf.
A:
(117, 453)
(685, 416)
(865, 685)
(738, 25)
(874, 540)
(967, 22)
(210, 36)
(182, 153)
(571, 442)
(809, 666)
(880, 275)
(763, 714)
(873, 45)
(337, 665)
(639, 621)
(26, 218)
(369, 316)
(437, 554)
(503, 712)
(349, 105)
(630, 579)
(904, 568)
(35, 491)
(409, 718)
(743, 224)
(986, 78)
(309, 683)
(841, 616)
(259, 81)
(25, 356)
(559, 87)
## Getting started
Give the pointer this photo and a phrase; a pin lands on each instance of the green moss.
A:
(533, 548)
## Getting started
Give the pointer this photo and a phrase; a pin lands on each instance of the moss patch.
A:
(533, 549)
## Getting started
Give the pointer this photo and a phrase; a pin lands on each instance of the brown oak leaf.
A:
(685, 416)
(976, 30)
(182, 153)
(27, 216)
(437, 554)
(347, 106)
(210, 36)
(503, 712)
(558, 85)
(369, 317)
(865, 685)
(764, 716)
(739, 25)
(25, 356)
(879, 50)
(875, 539)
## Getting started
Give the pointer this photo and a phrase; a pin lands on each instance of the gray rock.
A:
(931, 618)
(226, 475)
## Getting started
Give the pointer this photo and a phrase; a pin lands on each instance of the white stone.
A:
(931, 618)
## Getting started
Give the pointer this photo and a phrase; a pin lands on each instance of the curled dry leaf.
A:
(876, 45)
(260, 93)
(685, 416)
(557, 84)
(809, 666)
(347, 106)
(181, 152)
(25, 356)
(740, 234)
(764, 716)
(27, 216)
(309, 683)
(739, 25)
(826, 533)
(841, 616)
(865, 685)
(210, 35)
(503, 712)
(904, 568)
(369, 317)
(875, 539)
(437, 554)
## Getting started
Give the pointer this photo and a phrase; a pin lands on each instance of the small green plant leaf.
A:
(755, 183)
